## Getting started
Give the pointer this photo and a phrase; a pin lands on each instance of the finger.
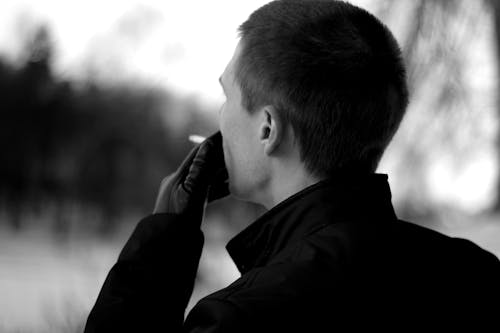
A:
(197, 175)
(183, 169)
(208, 161)
(218, 152)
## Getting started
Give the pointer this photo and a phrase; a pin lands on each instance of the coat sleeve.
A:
(148, 288)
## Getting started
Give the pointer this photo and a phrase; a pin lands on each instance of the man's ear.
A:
(271, 129)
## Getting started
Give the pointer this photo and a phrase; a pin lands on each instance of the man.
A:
(314, 93)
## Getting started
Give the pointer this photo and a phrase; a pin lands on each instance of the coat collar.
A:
(358, 197)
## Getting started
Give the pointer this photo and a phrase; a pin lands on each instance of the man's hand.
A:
(201, 178)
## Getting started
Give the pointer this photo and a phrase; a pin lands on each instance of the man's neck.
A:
(285, 184)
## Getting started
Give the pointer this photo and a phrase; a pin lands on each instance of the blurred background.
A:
(97, 101)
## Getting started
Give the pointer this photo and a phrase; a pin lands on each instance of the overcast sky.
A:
(183, 45)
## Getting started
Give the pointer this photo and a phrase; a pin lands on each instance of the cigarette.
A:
(196, 138)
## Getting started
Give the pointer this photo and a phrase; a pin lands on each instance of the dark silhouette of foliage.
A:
(103, 146)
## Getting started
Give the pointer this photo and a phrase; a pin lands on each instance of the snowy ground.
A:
(49, 286)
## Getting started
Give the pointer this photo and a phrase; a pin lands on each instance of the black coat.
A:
(332, 257)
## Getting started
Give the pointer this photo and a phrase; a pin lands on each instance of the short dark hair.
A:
(333, 71)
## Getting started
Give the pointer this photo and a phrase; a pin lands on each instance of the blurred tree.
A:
(442, 119)
(100, 145)
(495, 8)
(27, 121)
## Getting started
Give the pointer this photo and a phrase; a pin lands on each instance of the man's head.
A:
(317, 83)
